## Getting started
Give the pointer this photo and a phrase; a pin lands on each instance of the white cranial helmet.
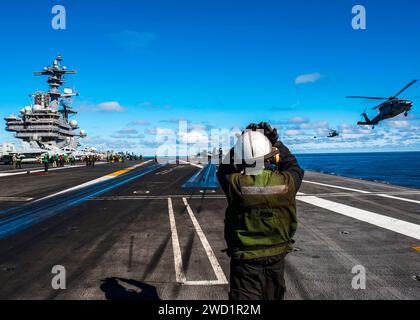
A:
(252, 146)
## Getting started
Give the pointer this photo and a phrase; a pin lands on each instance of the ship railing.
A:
(33, 128)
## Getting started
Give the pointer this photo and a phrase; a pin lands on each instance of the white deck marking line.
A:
(337, 187)
(398, 198)
(80, 186)
(15, 199)
(221, 278)
(204, 283)
(406, 228)
(92, 182)
(361, 191)
(179, 270)
(37, 170)
(162, 197)
(220, 196)
(193, 164)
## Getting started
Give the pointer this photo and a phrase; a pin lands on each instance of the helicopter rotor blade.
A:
(405, 88)
(359, 97)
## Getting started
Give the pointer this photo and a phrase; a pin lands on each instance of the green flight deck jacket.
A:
(261, 219)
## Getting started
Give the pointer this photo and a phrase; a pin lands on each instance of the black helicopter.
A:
(391, 108)
(333, 133)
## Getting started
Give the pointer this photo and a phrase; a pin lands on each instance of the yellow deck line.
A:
(121, 172)
(417, 248)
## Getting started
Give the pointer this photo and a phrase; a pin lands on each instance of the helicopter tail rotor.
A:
(365, 119)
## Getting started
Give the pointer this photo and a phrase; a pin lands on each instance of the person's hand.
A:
(252, 126)
(269, 132)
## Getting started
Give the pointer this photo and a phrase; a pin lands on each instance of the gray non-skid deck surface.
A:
(126, 233)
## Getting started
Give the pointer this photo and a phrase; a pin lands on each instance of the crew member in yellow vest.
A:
(260, 178)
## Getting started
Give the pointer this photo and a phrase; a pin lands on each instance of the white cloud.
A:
(173, 120)
(308, 78)
(292, 133)
(105, 144)
(161, 132)
(131, 137)
(399, 123)
(353, 138)
(345, 126)
(298, 120)
(314, 125)
(111, 106)
(195, 137)
(128, 131)
(200, 126)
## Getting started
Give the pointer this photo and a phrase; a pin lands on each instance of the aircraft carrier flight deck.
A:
(141, 230)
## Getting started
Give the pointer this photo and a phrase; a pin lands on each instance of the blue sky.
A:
(219, 64)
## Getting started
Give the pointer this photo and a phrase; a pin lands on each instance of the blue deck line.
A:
(203, 179)
(27, 215)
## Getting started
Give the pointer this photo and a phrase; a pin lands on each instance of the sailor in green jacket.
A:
(260, 178)
(46, 161)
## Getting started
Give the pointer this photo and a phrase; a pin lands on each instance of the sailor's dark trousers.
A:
(257, 279)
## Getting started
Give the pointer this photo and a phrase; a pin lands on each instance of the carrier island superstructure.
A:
(46, 124)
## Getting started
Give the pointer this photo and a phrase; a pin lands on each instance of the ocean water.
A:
(398, 168)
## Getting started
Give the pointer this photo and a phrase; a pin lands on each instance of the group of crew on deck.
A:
(90, 160)
(122, 158)
(57, 161)
(61, 160)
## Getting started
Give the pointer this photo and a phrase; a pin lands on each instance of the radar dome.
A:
(83, 133)
(37, 107)
(22, 110)
(73, 124)
(28, 109)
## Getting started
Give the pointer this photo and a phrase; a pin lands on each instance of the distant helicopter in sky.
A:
(391, 108)
(333, 133)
